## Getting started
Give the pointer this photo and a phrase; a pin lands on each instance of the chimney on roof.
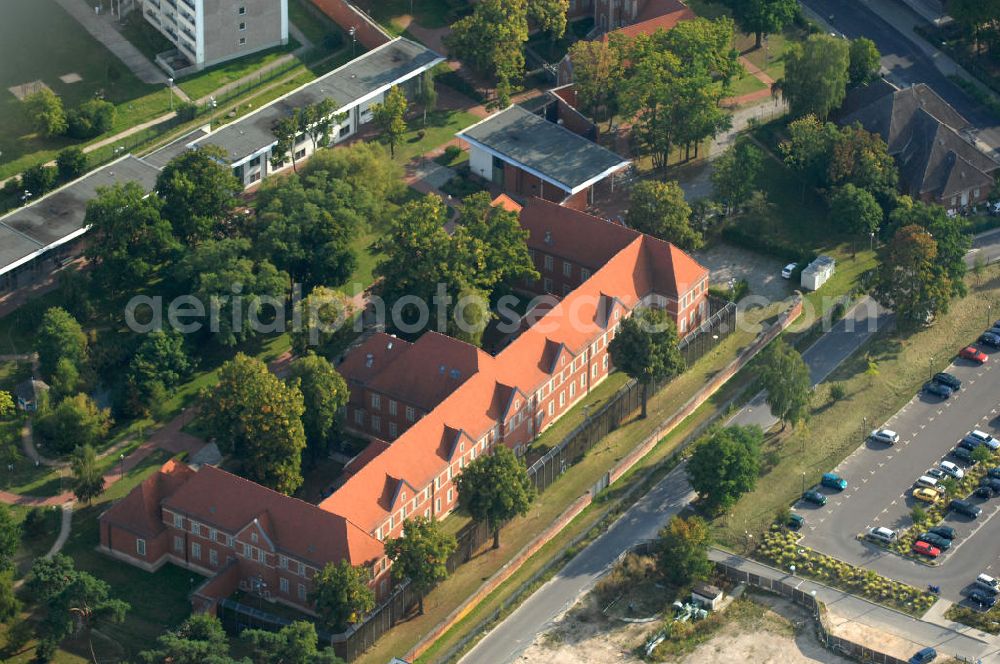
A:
(369, 360)
(388, 346)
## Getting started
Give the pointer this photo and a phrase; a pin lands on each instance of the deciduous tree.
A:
(71, 163)
(327, 318)
(862, 158)
(816, 75)
(257, 418)
(659, 209)
(645, 348)
(200, 639)
(6, 404)
(495, 488)
(129, 237)
(88, 482)
(491, 40)
(44, 109)
(761, 16)
(597, 71)
(75, 422)
(198, 191)
(324, 393)
(10, 537)
(683, 551)
(952, 242)
(161, 362)
(292, 644)
(865, 61)
(59, 336)
(725, 464)
(735, 174)
(341, 595)
(909, 279)
(855, 210)
(427, 95)
(420, 555)
(782, 372)
(390, 118)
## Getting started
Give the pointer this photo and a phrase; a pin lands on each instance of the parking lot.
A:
(880, 481)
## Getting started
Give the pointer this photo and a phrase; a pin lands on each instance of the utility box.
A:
(706, 596)
(818, 272)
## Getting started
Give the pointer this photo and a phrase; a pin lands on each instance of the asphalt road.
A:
(642, 521)
(843, 338)
(906, 62)
(880, 480)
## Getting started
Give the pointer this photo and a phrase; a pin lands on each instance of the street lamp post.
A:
(989, 313)
(121, 462)
(803, 481)
(170, 91)
(871, 241)
(930, 368)
(354, 38)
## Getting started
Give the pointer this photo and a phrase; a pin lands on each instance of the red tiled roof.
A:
(302, 530)
(139, 511)
(507, 203)
(374, 354)
(656, 15)
(372, 450)
(578, 236)
(636, 266)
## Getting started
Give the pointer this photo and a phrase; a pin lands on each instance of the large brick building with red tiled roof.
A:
(432, 405)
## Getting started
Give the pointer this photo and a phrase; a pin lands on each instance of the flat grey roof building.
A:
(544, 149)
(57, 217)
(359, 80)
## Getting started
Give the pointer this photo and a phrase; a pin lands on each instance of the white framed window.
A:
(549, 263)
(178, 521)
(196, 550)
(437, 505)
(242, 11)
(393, 429)
(253, 537)
(547, 285)
(604, 362)
(451, 493)
(140, 547)
(562, 398)
(178, 543)
(359, 416)
(376, 402)
(411, 415)
(302, 592)
(283, 585)
(572, 390)
(283, 562)
(243, 26)
(552, 408)
(213, 556)
(392, 407)
(243, 41)
(376, 423)
(567, 269)
(584, 274)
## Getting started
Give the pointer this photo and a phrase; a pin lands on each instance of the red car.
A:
(925, 549)
(972, 353)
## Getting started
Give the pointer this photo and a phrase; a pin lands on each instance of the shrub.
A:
(34, 522)
(452, 152)
(837, 392)
(92, 118)
(186, 111)
(38, 180)
(786, 251)
(918, 514)
(71, 164)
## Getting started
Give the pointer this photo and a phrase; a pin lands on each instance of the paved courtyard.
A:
(762, 273)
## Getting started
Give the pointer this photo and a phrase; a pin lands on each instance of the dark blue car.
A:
(924, 656)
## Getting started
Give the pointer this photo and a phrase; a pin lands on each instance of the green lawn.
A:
(317, 28)
(209, 80)
(746, 84)
(441, 128)
(428, 13)
(39, 41)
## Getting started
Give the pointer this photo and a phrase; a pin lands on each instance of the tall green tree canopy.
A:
(725, 464)
(390, 118)
(761, 16)
(75, 422)
(816, 75)
(59, 336)
(420, 555)
(44, 109)
(645, 348)
(865, 61)
(341, 595)
(736, 174)
(160, 360)
(88, 480)
(783, 373)
(597, 69)
(198, 192)
(950, 238)
(855, 209)
(909, 279)
(491, 40)
(494, 488)
(292, 644)
(683, 551)
(257, 418)
(129, 238)
(659, 209)
(862, 158)
(200, 639)
(324, 393)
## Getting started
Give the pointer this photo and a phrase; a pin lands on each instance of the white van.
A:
(930, 483)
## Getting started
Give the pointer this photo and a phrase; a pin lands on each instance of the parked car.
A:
(833, 481)
(988, 582)
(991, 339)
(929, 483)
(882, 534)
(993, 472)
(983, 599)
(936, 473)
(972, 354)
(963, 454)
(887, 436)
(991, 482)
(983, 491)
(788, 270)
(946, 532)
(924, 656)
(926, 495)
(936, 389)
(815, 497)
(796, 521)
(942, 543)
(952, 469)
(966, 508)
(982, 438)
(925, 549)
(948, 379)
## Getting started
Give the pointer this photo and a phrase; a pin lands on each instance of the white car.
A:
(952, 469)
(882, 534)
(887, 436)
(786, 272)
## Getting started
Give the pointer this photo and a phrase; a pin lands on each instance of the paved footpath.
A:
(851, 608)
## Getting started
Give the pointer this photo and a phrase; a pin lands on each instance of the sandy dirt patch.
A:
(70, 78)
(24, 89)
(782, 634)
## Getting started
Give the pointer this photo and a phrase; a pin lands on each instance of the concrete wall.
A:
(481, 163)
(265, 26)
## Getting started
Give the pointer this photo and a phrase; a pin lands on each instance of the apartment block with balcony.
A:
(208, 32)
